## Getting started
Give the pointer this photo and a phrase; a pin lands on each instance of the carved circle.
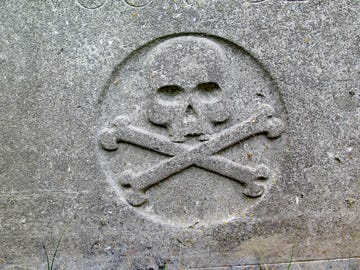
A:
(153, 95)
(91, 4)
(137, 3)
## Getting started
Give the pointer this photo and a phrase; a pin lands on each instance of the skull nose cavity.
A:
(190, 110)
(190, 114)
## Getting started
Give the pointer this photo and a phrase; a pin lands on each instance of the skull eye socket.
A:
(208, 90)
(169, 92)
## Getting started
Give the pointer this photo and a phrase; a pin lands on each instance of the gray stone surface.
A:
(338, 264)
(180, 134)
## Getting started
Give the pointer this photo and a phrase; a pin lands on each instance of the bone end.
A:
(266, 109)
(262, 172)
(121, 121)
(126, 178)
(136, 199)
(108, 139)
(276, 128)
(253, 191)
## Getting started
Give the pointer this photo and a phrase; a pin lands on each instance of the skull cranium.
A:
(187, 78)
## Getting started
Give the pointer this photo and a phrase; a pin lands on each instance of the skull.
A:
(186, 75)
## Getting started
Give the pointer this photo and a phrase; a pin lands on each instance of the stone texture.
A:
(72, 71)
(339, 264)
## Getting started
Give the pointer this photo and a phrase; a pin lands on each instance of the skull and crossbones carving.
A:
(187, 78)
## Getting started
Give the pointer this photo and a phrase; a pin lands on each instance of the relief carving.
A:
(94, 4)
(91, 4)
(137, 3)
(187, 77)
(188, 116)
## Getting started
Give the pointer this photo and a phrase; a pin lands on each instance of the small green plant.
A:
(261, 263)
(262, 266)
(291, 258)
(50, 265)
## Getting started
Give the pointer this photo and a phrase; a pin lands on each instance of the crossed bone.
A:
(201, 155)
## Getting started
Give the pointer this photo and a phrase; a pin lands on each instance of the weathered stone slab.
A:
(340, 264)
(180, 134)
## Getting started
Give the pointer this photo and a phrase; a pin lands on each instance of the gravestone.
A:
(184, 134)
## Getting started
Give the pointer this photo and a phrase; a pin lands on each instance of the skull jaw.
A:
(181, 131)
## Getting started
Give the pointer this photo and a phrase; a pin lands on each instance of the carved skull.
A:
(187, 78)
